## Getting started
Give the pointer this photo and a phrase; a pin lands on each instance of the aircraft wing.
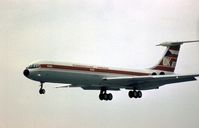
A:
(147, 82)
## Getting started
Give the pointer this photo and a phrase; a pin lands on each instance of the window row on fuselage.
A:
(33, 66)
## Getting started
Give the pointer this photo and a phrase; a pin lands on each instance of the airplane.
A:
(113, 79)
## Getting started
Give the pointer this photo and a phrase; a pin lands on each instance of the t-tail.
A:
(169, 60)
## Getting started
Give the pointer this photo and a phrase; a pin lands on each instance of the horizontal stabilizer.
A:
(176, 43)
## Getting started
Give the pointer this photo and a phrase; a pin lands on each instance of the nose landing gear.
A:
(41, 90)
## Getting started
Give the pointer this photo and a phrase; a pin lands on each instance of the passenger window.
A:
(33, 66)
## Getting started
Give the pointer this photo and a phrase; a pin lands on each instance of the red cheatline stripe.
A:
(93, 70)
(159, 67)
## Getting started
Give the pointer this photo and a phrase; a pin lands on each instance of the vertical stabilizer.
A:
(169, 60)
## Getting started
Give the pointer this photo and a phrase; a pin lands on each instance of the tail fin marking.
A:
(169, 60)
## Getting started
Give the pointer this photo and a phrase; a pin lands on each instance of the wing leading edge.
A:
(147, 82)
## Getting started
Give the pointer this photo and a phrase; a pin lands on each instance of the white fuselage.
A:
(103, 78)
(75, 74)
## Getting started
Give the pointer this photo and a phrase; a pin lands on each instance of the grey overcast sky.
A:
(110, 33)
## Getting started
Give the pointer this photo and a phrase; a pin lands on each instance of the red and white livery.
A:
(104, 78)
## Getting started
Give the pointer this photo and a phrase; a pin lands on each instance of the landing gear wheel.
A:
(139, 94)
(101, 96)
(110, 96)
(42, 91)
(130, 94)
(104, 96)
(135, 95)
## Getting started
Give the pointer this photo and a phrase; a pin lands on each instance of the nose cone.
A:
(26, 72)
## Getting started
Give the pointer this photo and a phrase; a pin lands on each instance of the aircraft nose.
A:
(26, 72)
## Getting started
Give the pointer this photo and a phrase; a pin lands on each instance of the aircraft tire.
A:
(130, 94)
(139, 94)
(101, 96)
(134, 94)
(42, 91)
(110, 96)
(105, 96)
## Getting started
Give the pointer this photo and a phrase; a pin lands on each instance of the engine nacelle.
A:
(154, 73)
(162, 73)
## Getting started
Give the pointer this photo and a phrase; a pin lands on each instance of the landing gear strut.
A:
(135, 94)
(104, 96)
(41, 90)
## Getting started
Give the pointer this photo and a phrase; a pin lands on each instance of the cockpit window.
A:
(33, 66)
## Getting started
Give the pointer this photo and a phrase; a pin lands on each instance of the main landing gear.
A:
(41, 90)
(135, 94)
(108, 96)
(104, 96)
